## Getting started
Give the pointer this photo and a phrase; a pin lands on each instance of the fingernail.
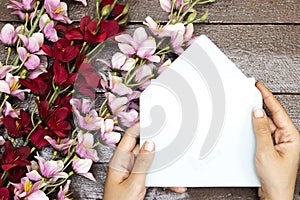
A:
(149, 146)
(258, 113)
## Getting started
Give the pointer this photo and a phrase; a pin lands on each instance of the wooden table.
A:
(261, 37)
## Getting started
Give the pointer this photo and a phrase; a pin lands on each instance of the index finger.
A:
(280, 117)
(129, 139)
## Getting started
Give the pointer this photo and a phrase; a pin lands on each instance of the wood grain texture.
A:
(222, 11)
(85, 189)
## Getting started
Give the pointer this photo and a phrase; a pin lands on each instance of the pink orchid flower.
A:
(85, 145)
(23, 7)
(116, 104)
(7, 110)
(33, 49)
(6, 69)
(107, 134)
(8, 35)
(60, 144)
(120, 62)
(63, 191)
(47, 25)
(51, 169)
(129, 118)
(140, 44)
(11, 86)
(27, 190)
(33, 173)
(115, 85)
(82, 167)
(87, 117)
(57, 10)
(178, 33)
(40, 69)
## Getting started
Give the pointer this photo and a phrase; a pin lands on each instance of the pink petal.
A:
(32, 62)
(146, 49)
(126, 49)
(166, 5)
(118, 60)
(4, 87)
(124, 38)
(154, 58)
(22, 52)
(140, 35)
(37, 195)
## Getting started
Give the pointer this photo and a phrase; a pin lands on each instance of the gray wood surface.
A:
(261, 37)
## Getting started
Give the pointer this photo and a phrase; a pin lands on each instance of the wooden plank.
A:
(269, 53)
(222, 11)
(94, 190)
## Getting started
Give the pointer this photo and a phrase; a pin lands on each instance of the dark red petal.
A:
(23, 152)
(118, 9)
(22, 162)
(74, 34)
(47, 49)
(60, 73)
(111, 27)
(10, 125)
(7, 167)
(70, 53)
(4, 193)
(84, 22)
(25, 118)
(37, 138)
(60, 134)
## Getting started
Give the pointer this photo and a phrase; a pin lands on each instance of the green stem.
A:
(32, 130)
(36, 21)
(22, 64)
(8, 55)
(32, 115)
(3, 102)
(187, 11)
(104, 105)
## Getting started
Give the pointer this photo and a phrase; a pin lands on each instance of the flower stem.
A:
(36, 21)
(32, 130)
(8, 55)
(3, 102)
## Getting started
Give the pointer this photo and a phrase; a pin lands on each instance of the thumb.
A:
(264, 141)
(143, 162)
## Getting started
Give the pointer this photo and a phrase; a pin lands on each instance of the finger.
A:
(279, 115)
(128, 141)
(262, 130)
(142, 163)
(179, 190)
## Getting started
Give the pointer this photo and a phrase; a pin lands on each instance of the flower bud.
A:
(106, 10)
(8, 35)
(191, 17)
(123, 21)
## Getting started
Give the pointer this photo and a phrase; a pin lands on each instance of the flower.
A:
(5, 69)
(58, 122)
(87, 118)
(14, 157)
(51, 168)
(120, 62)
(38, 136)
(129, 118)
(17, 127)
(47, 25)
(38, 86)
(89, 30)
(141, 44)
(57, 10)
(115, 85)
(60, 144)
(82, 167)
(107, 134)
(62, 194)
(116, 104)
(11, 86)
(23, 7)
(61, 76)
(8, 111)
(62, 50)
(27, 190)
(85, 145)
(40, 69)
(8, 35)
(29, 55)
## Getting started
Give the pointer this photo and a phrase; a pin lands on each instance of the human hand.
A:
(278, 149)
(128, 167)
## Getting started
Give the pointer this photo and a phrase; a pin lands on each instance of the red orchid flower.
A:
(17, 127)
(89, 30)
(58, 122)
(87, 80)
(61, 76)
(64, 101)
(62, 50)
(43, 108)
(38, 86)
(110, 27)
(37, 137)
(13, 157)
